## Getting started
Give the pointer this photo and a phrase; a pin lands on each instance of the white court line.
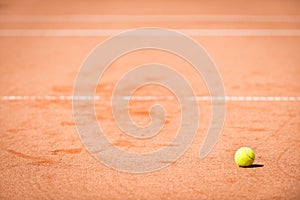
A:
(150, 98)
(111, 32)
(149, 18)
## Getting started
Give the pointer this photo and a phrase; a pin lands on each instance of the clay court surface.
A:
(255, 46)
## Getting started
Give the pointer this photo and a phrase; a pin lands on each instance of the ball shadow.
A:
(253, 166)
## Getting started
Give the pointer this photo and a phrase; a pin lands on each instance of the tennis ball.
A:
(244, 157)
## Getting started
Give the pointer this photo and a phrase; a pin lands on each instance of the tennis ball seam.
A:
(245, 150)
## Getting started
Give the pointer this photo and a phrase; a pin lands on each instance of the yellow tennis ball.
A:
(244, 157)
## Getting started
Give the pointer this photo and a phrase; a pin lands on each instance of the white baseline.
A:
(150, 18)
(111, 32)
(151, 98)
